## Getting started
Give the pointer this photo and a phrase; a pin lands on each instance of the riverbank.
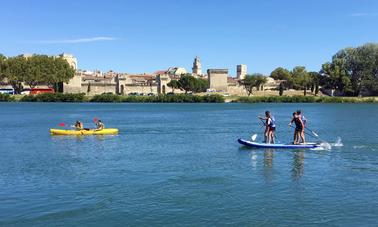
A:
(182, 98)
(305, 99)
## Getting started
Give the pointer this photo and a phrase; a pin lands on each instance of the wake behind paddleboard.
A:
(277, 145)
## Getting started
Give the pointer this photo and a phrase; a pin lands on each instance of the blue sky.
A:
(149, 35)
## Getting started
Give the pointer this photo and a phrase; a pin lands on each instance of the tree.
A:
(251, 81)
(301, 78)
(336, 75)
(281, 89)
(58, 71)
(283, 74)
(15, 71)
(201, 85)
(2, 66)
(187, 83)
(353, 70)
(174, 84)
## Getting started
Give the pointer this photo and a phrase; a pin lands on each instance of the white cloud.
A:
(363, 14)
(80, 40)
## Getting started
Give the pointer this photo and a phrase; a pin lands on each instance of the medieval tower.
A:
(197, 70)
(241, 71)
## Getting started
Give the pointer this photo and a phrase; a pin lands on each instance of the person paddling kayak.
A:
(299, 127)
(270, 127)
(79, 125)
(100, 125)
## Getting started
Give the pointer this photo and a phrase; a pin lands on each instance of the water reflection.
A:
(298, 165)
(268, 163)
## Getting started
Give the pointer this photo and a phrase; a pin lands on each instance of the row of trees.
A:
(298, 78)
(34, 70)
(352, 72)
(188, 83)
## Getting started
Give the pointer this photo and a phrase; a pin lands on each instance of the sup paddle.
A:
(306, 133)
(253, 137)
(314, 133)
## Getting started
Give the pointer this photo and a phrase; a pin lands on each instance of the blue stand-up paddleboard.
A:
(277, 145)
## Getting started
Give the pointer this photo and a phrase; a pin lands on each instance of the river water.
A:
(180, 165)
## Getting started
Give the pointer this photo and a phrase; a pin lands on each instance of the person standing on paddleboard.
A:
(299, 127)
(270, 127)
(304, 120)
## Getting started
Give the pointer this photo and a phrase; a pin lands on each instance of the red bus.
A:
(36, 91)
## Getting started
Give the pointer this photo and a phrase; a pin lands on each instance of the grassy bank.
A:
(181, 98)
(305, 99)
(59, 97)
(7, 98)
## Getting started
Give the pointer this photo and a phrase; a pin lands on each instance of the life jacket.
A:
(272, 122)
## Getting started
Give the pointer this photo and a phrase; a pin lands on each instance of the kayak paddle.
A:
(62, 124)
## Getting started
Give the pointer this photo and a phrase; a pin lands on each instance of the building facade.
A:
(218, 79)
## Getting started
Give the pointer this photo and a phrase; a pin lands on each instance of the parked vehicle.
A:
(9, 91)
(25, 92)
(36, 91)
(151, 94)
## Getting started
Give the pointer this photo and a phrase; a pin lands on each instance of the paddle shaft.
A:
(306, 133)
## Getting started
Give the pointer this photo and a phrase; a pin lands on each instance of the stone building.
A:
(218, 79)
(241, 71)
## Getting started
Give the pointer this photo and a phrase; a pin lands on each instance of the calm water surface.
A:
(180, 164)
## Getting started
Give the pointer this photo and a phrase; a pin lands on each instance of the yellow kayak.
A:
(106, 131)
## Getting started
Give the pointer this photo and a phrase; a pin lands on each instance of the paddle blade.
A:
(95, 119)
(253, 137)
(62, 124)
(315, 134)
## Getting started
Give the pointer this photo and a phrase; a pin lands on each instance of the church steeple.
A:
(197, 70)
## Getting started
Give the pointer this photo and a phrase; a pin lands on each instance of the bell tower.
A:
(197, 69)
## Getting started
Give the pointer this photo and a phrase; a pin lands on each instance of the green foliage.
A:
(353, 71)
(54, 97)
(106, 98)
(174, 84)
(190, 83)
(179, 98)
(252, 81)
(6, 98)
(304, 99)
(34, 70)
(301, 79)
(283, 74)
